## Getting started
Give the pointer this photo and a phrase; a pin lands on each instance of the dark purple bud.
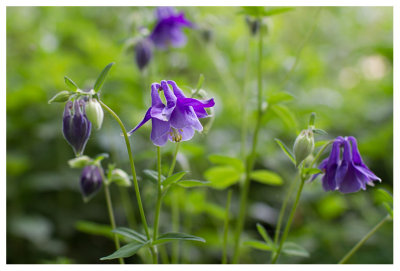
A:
(143, 53)
(76, 126)
(91, 180)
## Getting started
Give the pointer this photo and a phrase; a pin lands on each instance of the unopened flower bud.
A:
(143, 53)
(76, 126)
(253, 24)
(120, 177)
(80, 162)
(91, 180)
(303, 146)
(95, 113)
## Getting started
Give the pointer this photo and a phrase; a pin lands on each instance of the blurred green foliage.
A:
(343, 73)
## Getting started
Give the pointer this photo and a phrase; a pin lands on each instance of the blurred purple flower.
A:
(168, 29)
(76, 126)
(176, 120)
(143, 53)
(348, 173)
(91, 180)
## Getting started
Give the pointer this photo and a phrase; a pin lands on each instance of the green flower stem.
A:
(135, 181)
(175, 209)
(282, 212)
(226, 228)
(289, 222)
(243, 95)
(112, 219)
(159, 196)
(364, 239)
(320, 153)
(251, 158)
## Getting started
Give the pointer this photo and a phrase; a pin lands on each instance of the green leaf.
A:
(60, 97)
(176, 236)
(192, 183)
(276, 11)
(264, 234)
(258, 245)
(100, 80)
(226, 160)
(80, 161)
(220, 177)
(132, 234)
(200, 82)
(286, 150)
(94, 228)
(153, 175)
(287, 116)
(266, 177)
(173, 178)
(319, 131)
(279, 97)
(383, 196)
(71, 84)
(126, 251)
(294, 249)
(388, 208)
(312, 171)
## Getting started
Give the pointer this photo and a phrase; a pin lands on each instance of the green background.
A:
(343, 73)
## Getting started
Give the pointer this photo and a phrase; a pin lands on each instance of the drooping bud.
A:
(91, 180)
(253, 24)
(303, 146)
(143, 53)
(95, 113)
(120, 177)
(76, 126)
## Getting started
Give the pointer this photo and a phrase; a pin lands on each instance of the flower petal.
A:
(157, 106)
(177, 91)
(146, 118)
(184, 116)
(159, 131)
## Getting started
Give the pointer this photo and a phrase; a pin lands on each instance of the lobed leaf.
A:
(126, 251)
(71, 84)
(176, 236)
(130, 233)
(173, 178)
(258, 245)
(102, 77)
(226, 160)
(220, 177)
(286, 150)
(266, 177)
(294, 249)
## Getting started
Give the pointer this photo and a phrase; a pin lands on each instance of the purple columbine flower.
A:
(76, 126)
(176, 120)
(348, 173)
(168, 29)
(143, 53)
(91, 180)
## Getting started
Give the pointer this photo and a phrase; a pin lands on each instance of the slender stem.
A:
(175, 209)
(226, 228)
(364, 239)
(289, 222)
(251, 158)
(112, 219)
(244, 104)
(135, 180)
(320, 153)
(159, 196)
(282, 212)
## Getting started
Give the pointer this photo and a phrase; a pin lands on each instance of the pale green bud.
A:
(303, 146)
(95, 113)
(60, 97)
(120, 177)
(80, 162)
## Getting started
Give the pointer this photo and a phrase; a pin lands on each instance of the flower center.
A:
(176, 134)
